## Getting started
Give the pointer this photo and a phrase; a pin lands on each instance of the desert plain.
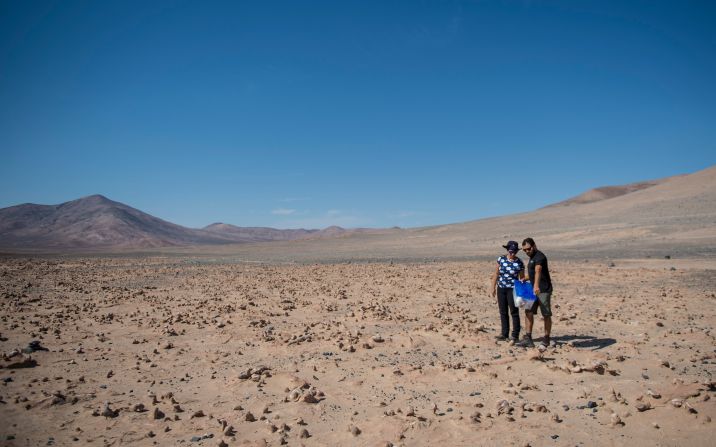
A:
(191, 351)
(379, 338)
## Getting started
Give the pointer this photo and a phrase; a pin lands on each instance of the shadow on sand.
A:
(586, 341)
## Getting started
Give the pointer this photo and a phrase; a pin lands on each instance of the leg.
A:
(547, 326)
(515, 313)
(502, 304)
(546, 309)
(529, 321)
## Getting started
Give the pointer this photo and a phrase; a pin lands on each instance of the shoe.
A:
(526, 342)
(501, 338)
(545, 342)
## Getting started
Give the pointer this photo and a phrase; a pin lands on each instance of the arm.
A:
(494, 281)
(538, 273)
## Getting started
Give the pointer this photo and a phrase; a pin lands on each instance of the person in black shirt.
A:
(538, 272)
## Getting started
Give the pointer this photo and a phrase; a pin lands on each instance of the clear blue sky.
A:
(366, 113)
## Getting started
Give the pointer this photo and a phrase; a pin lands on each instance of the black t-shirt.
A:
(545, 282)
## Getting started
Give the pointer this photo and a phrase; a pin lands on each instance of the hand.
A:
(536, 290)
(494, 292)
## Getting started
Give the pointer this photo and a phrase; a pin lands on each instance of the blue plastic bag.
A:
(524, 295)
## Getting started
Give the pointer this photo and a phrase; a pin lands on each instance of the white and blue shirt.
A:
(509, 269)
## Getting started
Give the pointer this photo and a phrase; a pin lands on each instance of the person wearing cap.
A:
(509, 267)
(538, 270)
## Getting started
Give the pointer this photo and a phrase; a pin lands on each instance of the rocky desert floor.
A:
(167, 351)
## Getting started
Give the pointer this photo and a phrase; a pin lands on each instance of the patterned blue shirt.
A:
(508, 271)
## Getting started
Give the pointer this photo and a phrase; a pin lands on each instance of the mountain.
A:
(607, 192)
(91, 222)
(264, 234)
(256, 234)
(672, 215)
(96, 222)
(675, 215)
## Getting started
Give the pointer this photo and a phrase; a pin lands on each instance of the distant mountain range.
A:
(98, 222)
(677, 211)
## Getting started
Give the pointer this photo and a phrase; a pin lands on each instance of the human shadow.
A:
(585, 341)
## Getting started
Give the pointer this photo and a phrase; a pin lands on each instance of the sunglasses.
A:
(526, 248)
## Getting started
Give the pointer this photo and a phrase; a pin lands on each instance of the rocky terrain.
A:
(171, 351)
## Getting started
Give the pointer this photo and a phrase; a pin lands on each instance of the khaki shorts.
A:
(542, 302)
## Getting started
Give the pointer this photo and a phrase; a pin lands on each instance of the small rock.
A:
(108, 412)
(304, 434)
(616, 420)
(157, 414)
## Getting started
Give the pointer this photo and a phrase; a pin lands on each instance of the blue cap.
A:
(512, 247)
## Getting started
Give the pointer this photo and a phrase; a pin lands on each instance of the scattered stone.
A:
(157, 414)
(616, 420)
(109, 412)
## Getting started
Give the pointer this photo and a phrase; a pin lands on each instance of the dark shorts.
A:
(543, 302)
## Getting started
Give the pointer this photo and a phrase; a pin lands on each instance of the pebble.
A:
(616, 420)
(157, 414)
(109, 412)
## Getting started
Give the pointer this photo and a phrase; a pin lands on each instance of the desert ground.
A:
(174, 350)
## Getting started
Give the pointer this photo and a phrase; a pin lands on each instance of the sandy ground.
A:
(169, 352)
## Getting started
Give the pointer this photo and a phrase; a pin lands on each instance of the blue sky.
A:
(308, 114)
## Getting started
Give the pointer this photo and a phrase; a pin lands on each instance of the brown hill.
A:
(96, 222)
(675, 216)
(266, 234)
(256, 234)
(91, 222)
(607, 192)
